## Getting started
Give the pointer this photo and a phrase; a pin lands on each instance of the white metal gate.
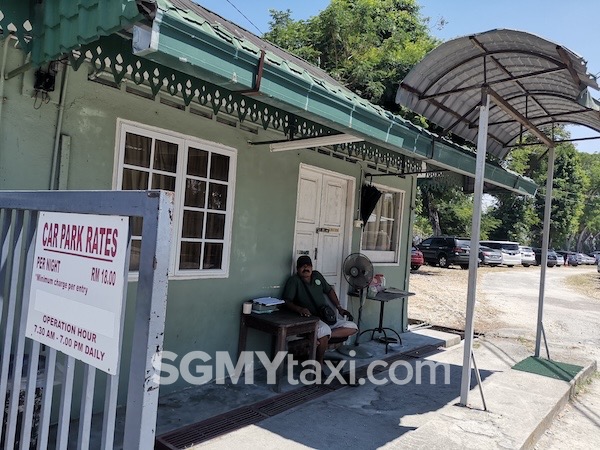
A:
(39, 417)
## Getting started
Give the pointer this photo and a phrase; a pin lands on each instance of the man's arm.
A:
(298, 309)
(334, 299)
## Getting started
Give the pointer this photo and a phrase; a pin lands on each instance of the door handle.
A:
(323, 230)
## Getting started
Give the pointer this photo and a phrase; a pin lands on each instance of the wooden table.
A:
(280, 325)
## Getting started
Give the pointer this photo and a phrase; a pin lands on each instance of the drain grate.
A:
(289, 400)
(205, 430)
(238, 418)
(208, 429)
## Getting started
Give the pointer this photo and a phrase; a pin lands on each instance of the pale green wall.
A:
(202, 314)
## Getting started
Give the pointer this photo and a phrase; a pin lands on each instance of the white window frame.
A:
(389, 257)
(184, 142)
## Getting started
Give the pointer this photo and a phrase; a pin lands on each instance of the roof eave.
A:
(200, 52)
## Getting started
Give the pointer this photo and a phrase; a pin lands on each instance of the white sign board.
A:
(76, 296)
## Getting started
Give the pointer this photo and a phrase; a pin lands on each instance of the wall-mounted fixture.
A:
(44, 80)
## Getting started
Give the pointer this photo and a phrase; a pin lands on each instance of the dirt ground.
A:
(441, 294)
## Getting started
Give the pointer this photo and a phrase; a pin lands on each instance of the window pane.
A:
(136, 225)
(195, 191)
(134, 180)
(163, 182)
(215, 226)
(217, 196)
(379, 232)
(134, 262)
(219, 167)
(193, 221)
(165, 156)
(137, 150)
(213, 255)
(197, 162)
(190, 255)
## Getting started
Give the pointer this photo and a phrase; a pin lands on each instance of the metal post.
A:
(148, 331)
(545, 242)
(474, 252)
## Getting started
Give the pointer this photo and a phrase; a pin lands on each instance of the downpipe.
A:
(53, 185)
(3, 72)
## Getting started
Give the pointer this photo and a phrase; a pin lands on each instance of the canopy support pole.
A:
(484, 110)
(545, 242)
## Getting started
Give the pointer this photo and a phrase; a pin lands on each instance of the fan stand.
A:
(354, 351)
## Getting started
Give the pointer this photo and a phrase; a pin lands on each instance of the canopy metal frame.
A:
(532, 83)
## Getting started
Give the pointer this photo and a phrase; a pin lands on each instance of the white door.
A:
(321, 222)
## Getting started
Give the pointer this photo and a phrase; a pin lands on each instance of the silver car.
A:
(489, 256)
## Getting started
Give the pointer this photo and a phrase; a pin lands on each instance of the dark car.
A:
(416, 259)
(551, 262)
(446, 250)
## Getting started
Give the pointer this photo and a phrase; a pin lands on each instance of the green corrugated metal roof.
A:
(194, 41)
(66, 24)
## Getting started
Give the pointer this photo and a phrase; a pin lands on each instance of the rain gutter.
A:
(202, 51)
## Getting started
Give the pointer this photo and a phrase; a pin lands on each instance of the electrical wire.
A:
(245, 17)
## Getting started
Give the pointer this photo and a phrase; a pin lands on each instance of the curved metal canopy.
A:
(533, 83)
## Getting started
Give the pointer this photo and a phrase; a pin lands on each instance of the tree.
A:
(368, 45)
(588, 233)
(514, 215)
(523, 218)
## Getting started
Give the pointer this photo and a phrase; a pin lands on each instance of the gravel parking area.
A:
(441, 294)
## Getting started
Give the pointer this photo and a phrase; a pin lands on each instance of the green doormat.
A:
(547, 368)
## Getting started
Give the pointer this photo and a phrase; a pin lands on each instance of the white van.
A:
(511, 255)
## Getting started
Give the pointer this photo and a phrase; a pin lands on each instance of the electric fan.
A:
(358, 271)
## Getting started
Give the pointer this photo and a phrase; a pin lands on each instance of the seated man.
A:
(297, 298)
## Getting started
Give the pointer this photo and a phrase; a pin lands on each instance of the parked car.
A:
(416, 258)
(560, 259)
(511, 256)
(570, 257)
(527, 256)
(596, 255)
(582, 258)
(489, 256)
(446, 250)
(551, 261)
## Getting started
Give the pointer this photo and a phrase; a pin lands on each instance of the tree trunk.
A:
(581, 238)
(432, 212)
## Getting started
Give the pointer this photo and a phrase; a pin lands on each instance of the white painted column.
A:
(545, 242)
(474, 252)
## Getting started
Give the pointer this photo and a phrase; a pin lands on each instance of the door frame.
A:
(348, 227)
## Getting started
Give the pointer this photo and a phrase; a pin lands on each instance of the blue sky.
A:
(571, 24)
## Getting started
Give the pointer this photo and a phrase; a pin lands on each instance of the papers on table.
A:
(268, 301)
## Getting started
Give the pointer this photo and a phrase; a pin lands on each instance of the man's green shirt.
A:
(295, 292)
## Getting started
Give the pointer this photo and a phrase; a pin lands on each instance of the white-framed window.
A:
(202, 176)
(380, 240)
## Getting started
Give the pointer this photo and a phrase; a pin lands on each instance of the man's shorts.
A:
(325, 330)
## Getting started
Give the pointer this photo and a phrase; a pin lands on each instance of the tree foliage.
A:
(368, 45)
